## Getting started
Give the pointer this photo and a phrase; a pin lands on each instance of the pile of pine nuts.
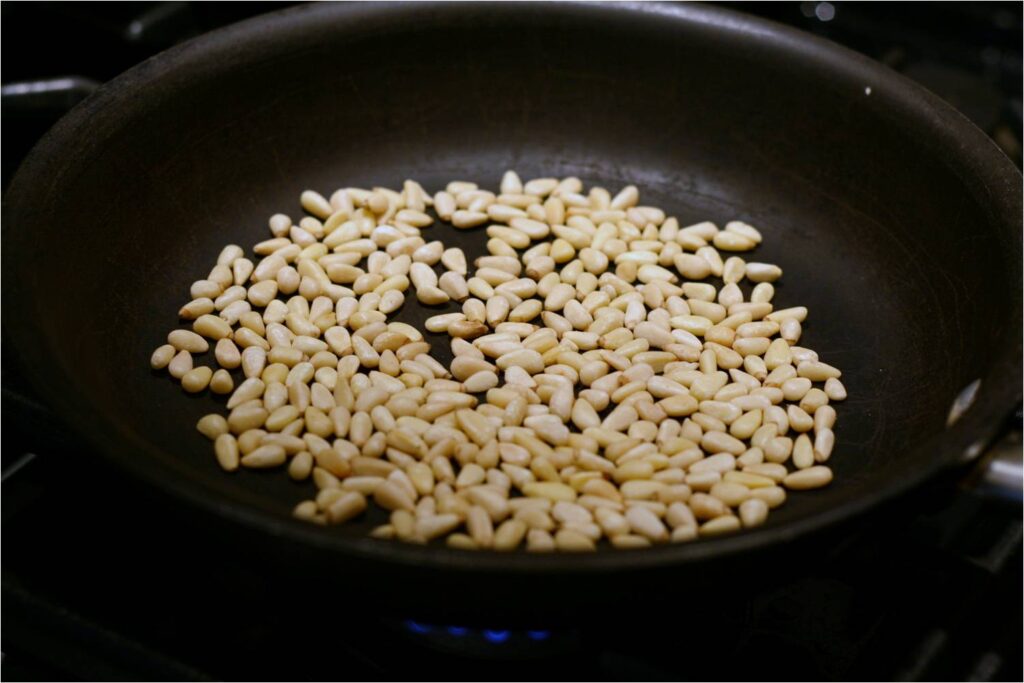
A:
(599, 388)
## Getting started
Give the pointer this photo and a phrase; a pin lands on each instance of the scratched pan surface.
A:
(896, 222)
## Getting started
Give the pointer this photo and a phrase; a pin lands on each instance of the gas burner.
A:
(489, 643)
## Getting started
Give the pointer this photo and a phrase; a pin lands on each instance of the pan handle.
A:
(49, 95)
(999, 471)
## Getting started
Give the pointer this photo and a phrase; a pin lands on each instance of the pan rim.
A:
(998, 394)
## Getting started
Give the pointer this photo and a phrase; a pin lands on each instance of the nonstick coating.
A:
(896, 222)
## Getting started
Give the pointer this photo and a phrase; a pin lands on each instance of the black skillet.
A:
(897, 222)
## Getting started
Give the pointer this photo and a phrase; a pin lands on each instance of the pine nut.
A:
(391, 496)
(241, 312)
(813, 400)
(509, 534)
(824, 441)
(773, 495)
(681, 534)
(706, 507)
(348, 505)
(212, 426)
(763, 272)
(250, 440)
(162, 357)
(221, 382)
(212, 327)
(730, 493)
(185, 340)
(226, 449)
(432, 527)
(778, 449)
(703, 386)
(731, 241)
(553, 491)
(799, 420)
(795, 388)
(716, 442)
(824, 418)
(196, 379)
(264, 457)
(810, 478)
(720, 525)
(753, 512)
(834, 389)
(646, 523)
(569, 540)
(254, 361)
(720, 463)
(300, 466)
(817, 371)
(803, 452)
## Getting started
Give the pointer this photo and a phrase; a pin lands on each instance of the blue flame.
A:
(497, 636)
(417, 627)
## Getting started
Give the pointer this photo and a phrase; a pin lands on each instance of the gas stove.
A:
(102, 579)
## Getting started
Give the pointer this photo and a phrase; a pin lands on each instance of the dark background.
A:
(948, 609)
(967, 52)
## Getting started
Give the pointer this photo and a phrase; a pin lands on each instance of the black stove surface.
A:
(102, 579)
(100, 582)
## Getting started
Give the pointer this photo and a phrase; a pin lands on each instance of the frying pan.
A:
(897, 223)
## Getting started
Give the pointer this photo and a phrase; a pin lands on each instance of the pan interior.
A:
(877, 232)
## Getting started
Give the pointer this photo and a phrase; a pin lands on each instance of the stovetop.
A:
(101, 582)
(102, 579)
